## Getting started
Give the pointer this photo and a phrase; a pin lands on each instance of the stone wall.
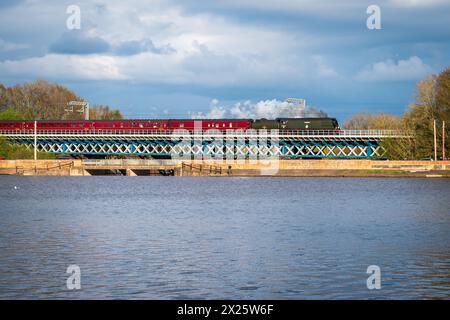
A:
(245, 167)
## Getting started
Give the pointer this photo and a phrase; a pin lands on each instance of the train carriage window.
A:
(141, 125)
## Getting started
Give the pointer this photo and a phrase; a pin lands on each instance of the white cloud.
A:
(323, 7)
(208, 49)
(323, 70)
(92, 67)
(418, 3)
(389, 70)
(11, 46)
(197, 67)
(213, 113)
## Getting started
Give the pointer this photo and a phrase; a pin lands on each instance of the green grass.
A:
(11, 151)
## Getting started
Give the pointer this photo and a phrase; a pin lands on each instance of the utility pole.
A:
(86, 111)
(443, 140)
(35, 140)
(434, 133)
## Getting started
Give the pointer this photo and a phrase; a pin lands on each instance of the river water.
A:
(224, 238)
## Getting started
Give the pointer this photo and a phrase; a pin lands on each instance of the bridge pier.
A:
(130, 173)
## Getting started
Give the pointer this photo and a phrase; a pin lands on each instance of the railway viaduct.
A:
(212, 144)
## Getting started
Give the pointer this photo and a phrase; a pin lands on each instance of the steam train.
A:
(294, 124)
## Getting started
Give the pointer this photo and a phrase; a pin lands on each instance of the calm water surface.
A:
(241, 238)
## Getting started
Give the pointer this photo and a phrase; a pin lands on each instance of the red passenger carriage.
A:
(127, 125)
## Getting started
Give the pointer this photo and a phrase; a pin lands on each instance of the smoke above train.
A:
(265, 109)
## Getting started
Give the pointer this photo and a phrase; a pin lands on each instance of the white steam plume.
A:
(268, 109)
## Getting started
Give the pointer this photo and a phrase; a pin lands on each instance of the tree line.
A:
(42, 100)
(432, 103)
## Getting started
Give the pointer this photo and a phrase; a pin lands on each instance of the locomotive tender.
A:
(291, 124)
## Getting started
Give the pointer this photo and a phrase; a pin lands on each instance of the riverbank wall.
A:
(183, 167)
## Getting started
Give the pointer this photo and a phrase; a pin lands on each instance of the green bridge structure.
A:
(351, 144)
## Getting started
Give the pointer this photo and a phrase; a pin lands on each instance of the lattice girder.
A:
(241, 147)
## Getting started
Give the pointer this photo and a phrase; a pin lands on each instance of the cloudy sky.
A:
(167, 58)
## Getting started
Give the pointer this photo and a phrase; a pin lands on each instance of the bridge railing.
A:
(343, 133)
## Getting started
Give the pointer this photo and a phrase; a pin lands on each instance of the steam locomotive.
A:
(294, 124)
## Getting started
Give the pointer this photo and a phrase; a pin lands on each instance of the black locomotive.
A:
(296, 124)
